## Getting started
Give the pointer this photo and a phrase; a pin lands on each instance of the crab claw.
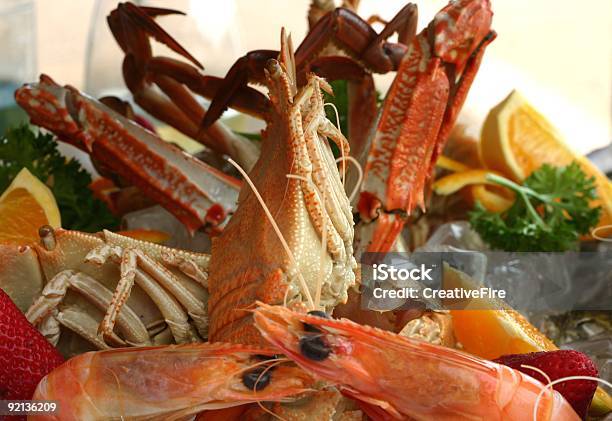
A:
(459, 28)
(419, 111)
(128, 15)
(197, 194)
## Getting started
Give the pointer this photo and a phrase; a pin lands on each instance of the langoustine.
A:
(397, 377)
(169, 382)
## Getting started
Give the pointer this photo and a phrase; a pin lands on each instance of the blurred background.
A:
(556, 52)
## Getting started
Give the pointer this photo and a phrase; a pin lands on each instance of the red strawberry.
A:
(559, 364)
(25, 355)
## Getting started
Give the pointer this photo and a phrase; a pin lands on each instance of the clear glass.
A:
(18, 55)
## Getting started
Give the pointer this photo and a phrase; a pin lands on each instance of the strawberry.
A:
(559, 364)
(25, 355)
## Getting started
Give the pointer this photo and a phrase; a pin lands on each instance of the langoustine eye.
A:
(257, 379)
(312, 345)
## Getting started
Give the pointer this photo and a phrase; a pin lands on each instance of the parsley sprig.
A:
(80, 210)
(551, 211)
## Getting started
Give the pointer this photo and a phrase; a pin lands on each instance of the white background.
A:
(556, 52)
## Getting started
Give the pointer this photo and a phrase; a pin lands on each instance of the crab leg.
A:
(419, 110)
(120, 21)
(249, 68)
(54, 291)
(414, 147)
(246, 99)
(353, 35)
(84, 325)
(132, 26)
(179, 108)
(362, 112)
(198, 195)
(196, 309)
(343, 29)
(186, 266)
(458, 95)
(50, 328)
(163, 288)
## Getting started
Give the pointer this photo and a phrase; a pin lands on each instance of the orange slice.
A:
(488, 327)
(493, 333)
(491, 201)
(447, 163)
(454, 182)
(476, 179)
(516, 140)
(25, 206)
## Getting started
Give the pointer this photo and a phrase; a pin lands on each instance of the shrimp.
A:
(394, 377)
(168, 382)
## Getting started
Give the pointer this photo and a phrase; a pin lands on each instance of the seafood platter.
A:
(258, 312)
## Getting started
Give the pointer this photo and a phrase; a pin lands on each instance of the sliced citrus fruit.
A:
(491, 201)
(25, 206)
(454, 182)
(447, 163)
(516, 140)
(495, 201)
(488, 327)
(493, 333)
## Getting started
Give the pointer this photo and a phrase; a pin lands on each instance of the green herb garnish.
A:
(80, 210)
(550, 212)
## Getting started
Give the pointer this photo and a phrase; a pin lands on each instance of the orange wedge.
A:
(493, 333)
(25, 206)
(516, 140)
(488, 327)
